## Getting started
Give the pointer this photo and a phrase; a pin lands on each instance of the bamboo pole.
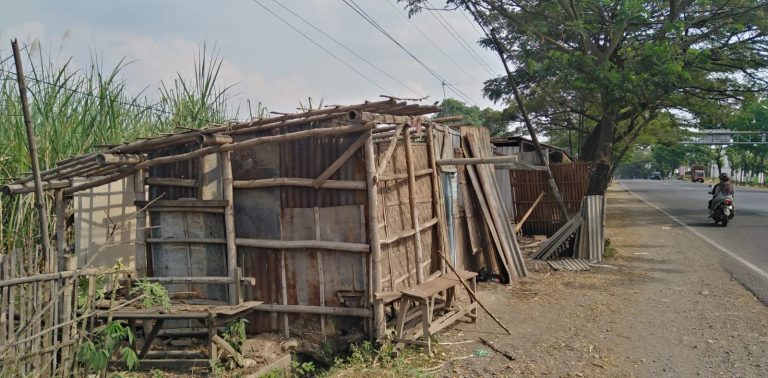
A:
(229, 223)
(379, 319)
(413, 206)
(24, 188)
(119, 159)
(437, 197)
(42, 214)
(499, 160)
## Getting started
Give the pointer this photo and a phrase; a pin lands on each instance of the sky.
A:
(264, 59)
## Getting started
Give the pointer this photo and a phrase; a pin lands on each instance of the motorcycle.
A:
(723, 210)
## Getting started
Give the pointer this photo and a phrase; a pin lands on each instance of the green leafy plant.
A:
(303, 369)
(83, 289)
(154, 294)
(96, 352)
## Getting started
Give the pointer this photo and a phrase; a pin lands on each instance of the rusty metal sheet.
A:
(187, 169)
(257, 216)
(189, 259)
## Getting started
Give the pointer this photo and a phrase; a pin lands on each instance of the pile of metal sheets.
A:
(575, 265)
(591, 239)
(558, 242)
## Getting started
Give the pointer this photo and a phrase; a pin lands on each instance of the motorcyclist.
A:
(720, 191)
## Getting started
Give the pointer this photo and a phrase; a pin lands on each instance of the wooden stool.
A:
(423, 298)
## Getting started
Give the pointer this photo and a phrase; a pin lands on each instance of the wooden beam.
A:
(479, 160)
(29, 187)
(302, 309)
(182, 203)
(519, 225)
(303, 244)
(139, 194)
(413, 206)
(229, 223)
(303, 182)
(163, 181)
(379, 318)
(320, 180)
(401, 176)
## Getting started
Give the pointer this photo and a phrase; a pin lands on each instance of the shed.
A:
(329, 213)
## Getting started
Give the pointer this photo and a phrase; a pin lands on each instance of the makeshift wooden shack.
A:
(326, 216)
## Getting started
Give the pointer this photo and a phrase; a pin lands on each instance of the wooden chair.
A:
(422, 298)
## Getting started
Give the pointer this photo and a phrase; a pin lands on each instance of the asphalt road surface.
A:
(743, 245)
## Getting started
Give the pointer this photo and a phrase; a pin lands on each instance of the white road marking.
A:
(699, 234)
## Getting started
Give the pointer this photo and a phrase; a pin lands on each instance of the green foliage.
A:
(83, 289)
(74, 109)
(235, 335)
(303, 369)
(496, 121)
(621, 65)
(155, 294)
(96, 352)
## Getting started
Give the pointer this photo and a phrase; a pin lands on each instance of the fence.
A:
(40, 314)
(572, 180)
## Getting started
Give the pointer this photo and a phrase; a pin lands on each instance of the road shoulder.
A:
(664, 307)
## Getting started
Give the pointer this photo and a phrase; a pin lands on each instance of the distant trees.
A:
(622, 64)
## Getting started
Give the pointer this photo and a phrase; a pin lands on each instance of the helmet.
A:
(724, 177)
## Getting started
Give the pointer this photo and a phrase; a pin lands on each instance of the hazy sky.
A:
(264, 58)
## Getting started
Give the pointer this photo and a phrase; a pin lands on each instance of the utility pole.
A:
(41, 211)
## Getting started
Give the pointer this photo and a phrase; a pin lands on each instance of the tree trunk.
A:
(598, 149)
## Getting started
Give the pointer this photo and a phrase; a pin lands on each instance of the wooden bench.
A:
(422, 299)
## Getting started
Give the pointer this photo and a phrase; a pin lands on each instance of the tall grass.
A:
(76, 110)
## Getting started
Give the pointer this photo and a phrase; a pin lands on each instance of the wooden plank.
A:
(519, 224)
(413, 207)
(506, 272)
(181, 203)
(303, 309)
(498, 212)
(303, 244)
(162, 181)
(302, 182)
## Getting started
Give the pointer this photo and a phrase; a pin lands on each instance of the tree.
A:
(622, 64)
(496, 121)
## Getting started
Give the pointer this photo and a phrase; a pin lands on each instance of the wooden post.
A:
(41, 212)
(229, 224)
(437, 200)
(141, 225)
(320, 273)
(68, 332)
(379, 319)
(413, 206)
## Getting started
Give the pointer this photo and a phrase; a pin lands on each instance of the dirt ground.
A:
(664, 307)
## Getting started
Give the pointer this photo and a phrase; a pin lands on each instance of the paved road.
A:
(743, 244)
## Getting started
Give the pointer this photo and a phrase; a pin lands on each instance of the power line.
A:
(378, 27)
(445, 54)
(457, 36)
(348, 49)
(322, 48)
